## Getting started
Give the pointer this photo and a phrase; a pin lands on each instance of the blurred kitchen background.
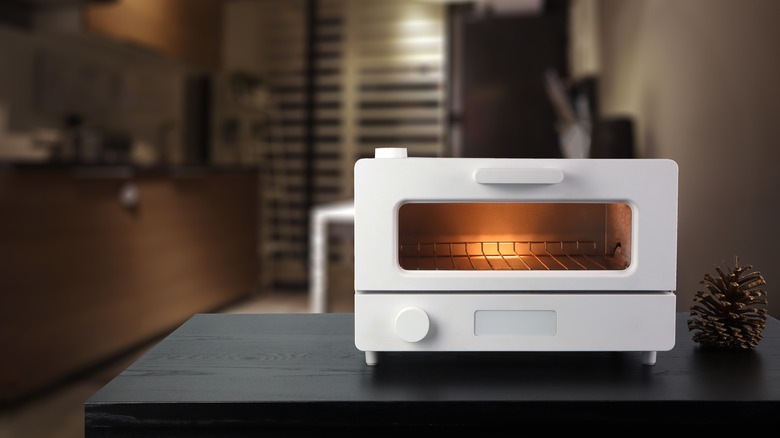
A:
(160, 158)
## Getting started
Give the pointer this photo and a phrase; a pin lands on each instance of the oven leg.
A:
(648, 357)
(371, 358)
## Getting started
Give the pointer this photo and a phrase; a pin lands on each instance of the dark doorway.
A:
(502, 59)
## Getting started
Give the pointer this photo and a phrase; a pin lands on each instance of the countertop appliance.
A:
(473, 254)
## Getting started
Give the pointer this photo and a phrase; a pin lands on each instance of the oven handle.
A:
(543, 175)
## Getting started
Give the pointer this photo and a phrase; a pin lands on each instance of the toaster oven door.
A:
(446, 224)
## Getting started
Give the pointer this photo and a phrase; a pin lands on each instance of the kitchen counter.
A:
(223, 375)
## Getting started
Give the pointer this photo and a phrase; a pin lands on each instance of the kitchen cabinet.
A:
(96, 261)
(181, 29)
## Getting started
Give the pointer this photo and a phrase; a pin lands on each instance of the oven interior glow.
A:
(514, 236)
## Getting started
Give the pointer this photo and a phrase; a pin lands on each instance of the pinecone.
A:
(731, 312)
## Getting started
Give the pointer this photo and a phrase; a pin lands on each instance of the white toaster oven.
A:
(468, 254)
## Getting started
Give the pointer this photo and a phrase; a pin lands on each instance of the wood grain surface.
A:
(224, 374)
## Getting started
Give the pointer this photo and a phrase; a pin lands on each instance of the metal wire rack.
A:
(531, 255)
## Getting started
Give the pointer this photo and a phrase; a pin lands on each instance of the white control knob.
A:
(390, 153)
(412, 324)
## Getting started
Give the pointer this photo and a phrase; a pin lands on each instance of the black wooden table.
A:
(274, 374)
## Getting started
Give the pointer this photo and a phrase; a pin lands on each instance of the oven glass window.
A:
(514, 236)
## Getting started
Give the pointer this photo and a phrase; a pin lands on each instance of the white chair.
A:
(321, 217)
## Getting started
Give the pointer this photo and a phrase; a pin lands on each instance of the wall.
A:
(702, 79)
